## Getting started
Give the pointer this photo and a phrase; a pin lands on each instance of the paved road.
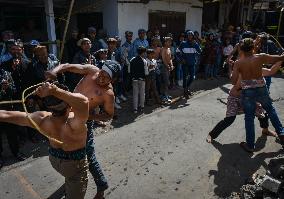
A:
(161, 155)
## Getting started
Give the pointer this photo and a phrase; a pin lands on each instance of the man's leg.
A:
(94, 165)
(142, 93)
(76, 178)
(266, 102)
(147, 89)
(221, 126)
(75, 173)
(12, 137)
(154, 91)
(185, 69)
(135, 94)
(165, 81)
(249, 106)
(268, 81)
(191, 75)
(207, 71)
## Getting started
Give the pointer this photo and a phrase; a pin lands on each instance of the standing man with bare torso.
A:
(254, 90)
(63, 122)
(166, 67)
(96, 86)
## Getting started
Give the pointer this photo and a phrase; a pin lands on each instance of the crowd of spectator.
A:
(151, 65)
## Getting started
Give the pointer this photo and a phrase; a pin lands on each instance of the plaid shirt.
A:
(8, 93)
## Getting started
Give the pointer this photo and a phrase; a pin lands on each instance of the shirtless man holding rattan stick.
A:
(65, 122)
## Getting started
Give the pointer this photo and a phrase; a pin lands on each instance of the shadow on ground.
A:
(59, 193)
(235, 166)
(31, 150)
(126, 116)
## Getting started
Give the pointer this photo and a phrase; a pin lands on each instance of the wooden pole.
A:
(279, 23)
(66, 28)
(48, 5)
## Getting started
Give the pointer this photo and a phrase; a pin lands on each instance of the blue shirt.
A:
(5, 57)
(188, 51)
(138, 42)
(128, 46)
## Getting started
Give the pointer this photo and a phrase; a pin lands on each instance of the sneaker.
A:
(123, 98)
(141, 109)
(164, 98)
(180, 82)
(185, 94)
(117, 106)
(135, 111)
(189, 92)
(117, 100)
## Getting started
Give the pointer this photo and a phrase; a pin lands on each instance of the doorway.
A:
(86, 20)
(167, 22)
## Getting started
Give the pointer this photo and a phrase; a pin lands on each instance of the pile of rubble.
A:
(269, 186)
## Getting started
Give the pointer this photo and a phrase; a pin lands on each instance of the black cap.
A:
(141, 49)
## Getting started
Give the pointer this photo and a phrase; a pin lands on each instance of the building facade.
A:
(115, 16)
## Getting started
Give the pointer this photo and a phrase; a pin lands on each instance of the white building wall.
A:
(132, 16)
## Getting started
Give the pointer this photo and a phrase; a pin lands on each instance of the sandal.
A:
(269, 133)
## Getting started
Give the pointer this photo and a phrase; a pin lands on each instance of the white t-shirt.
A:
(145, 66)
(151, 62)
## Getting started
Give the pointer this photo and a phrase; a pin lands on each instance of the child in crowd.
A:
(138, 72)
(151, 89)
(209, 56)
(227, 50)
(101, 57)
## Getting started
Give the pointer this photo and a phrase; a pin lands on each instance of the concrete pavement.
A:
(161, 155)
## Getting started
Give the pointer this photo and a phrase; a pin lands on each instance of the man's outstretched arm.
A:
(271, 59)
(21, 118)
(272, 71)
(73, 68)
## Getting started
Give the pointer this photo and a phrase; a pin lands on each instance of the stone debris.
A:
(269, 186)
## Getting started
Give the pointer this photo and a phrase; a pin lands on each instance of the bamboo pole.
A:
(279, 23)
(66, 28)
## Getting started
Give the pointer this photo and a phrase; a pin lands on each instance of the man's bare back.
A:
(250, 67)
(63, 130)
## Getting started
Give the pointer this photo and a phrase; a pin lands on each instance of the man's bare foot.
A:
(209, 139)
(100, 195)
(268, 132)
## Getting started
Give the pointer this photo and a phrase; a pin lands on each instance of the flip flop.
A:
(246, 148)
